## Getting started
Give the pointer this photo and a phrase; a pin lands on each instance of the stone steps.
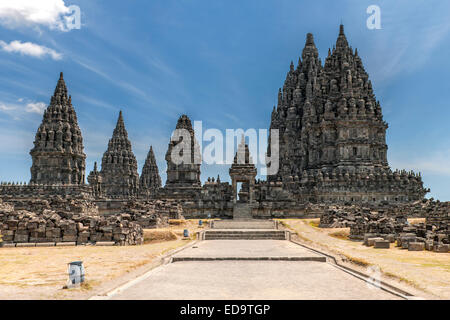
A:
(250, 224)
(244, 235)
(242, 211)
(279, 258)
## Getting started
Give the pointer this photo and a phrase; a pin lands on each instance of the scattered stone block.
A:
(441, 248)
(416, 246)
(390, 238)
(382, 244)
(371, 241)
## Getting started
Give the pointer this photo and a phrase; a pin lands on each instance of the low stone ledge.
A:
(105, 243)
(25, 245)
(46, 244)
(66, 244)
(9, 245)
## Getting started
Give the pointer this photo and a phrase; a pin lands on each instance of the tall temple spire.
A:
(341, 42)
(185, 174)
(119, 165)
(58, 156)
(294, 103)
(150, 181)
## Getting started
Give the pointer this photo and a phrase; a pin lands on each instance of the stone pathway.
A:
(244, 279)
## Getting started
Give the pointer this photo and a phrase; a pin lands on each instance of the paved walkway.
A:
(238, 279)
(247, 249)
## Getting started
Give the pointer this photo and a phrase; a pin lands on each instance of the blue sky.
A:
(221, 62)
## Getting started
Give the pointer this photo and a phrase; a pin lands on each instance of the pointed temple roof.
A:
(150, 178)
(119, 165)
(341, 89)
(59, 136)
(59, 124)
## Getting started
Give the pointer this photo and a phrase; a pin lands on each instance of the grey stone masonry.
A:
(243, 170)
(332, 134)
(120, 178)
(183, 179)
(57, 155)
(150, 181)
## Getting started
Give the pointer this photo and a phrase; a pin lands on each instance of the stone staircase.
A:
(244, 235)
(243, 227)
(242, 211)
(243, 224)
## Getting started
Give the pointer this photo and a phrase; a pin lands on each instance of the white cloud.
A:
(18, 110)
(36, 107)
(29, 13)
(4, 107)
(29, 49)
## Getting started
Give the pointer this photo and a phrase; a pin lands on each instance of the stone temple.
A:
(58, 155)
(332, 150)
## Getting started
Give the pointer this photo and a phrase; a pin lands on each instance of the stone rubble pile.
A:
(391, 224)
(153, 213)
(338, 216)
(80, 225)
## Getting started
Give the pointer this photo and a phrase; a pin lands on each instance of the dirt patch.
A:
(425, 270)
(152, 235)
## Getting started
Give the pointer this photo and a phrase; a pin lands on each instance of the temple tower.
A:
(58, 156)
(332, 133)
(120, 178)
(295, 101)
(183, 172)
(350, 132)
(150, 181)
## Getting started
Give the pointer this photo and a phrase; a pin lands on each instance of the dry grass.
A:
(154, 235)
(314, 223)
(177, 222)
(43, 271)
(429, 271)
(40, 273)
(341, 234)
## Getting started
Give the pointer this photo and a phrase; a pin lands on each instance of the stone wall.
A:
(58, 220)
(23, 190)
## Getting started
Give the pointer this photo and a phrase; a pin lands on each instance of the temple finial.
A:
(309, 39)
